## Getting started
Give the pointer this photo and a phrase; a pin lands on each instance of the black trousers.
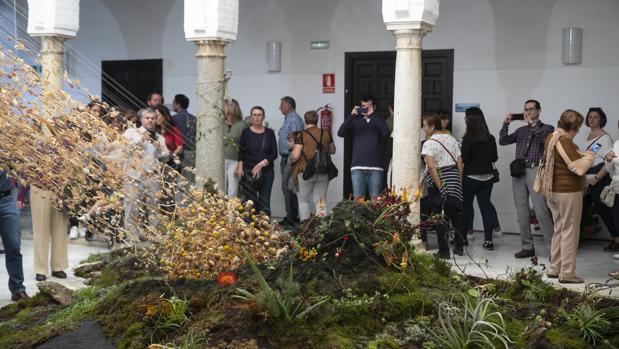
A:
(605, 212)
(452, 216)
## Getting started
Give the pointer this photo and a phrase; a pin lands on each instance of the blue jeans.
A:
(11, 238)
(262, 195)
(364, 181)
(483, 190)
(290, 198)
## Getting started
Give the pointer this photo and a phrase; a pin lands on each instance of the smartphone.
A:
(594, 148)
(517, 116)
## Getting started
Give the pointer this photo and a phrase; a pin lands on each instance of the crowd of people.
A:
(562, 180)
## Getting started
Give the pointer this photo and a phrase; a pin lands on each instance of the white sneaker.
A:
(73, 233)
(470, 236)
(616, 256)
(81, 232)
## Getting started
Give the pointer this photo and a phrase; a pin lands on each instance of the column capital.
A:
(53, 44)
(211, 48)
(409, 36)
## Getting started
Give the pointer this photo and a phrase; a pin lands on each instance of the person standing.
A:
(597, 177)
(257, 154)
(186, 124)
(529, 141)
(142, 181)
(443, 180)
(563, 184)
(292, 123)
(368, 131)
(232, 136)
(11, 236)
(478, 154)
(314, 189)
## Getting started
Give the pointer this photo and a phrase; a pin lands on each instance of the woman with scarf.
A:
(563, 185)
(443, 179)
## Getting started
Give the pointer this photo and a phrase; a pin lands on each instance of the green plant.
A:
(589, 322)
(471, 325)
(284, 303)
(85, 303)
(167, 315)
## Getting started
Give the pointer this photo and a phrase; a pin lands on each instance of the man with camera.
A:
(529, 141)
(368, 132)
(142, 172)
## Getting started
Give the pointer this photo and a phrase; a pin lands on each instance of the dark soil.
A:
(87, 336)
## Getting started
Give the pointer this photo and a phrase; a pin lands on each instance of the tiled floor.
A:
(592, 263)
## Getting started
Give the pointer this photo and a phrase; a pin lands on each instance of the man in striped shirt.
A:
(529, 141)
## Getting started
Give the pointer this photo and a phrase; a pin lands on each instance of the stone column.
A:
(210, 119)
(52, 55)
(407, 108)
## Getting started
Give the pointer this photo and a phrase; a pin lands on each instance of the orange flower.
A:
(226, 278)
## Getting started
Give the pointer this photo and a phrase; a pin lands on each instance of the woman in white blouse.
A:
(600, 143)
(443, 179)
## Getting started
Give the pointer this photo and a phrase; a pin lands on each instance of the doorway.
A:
(374, 73)
(127, 83)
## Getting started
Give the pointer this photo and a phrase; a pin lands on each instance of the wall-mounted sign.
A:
(328, 83)
(462, 107)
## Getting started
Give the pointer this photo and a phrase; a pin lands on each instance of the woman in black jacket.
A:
(478, 153)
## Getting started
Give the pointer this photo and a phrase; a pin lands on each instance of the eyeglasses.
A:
(530, 109)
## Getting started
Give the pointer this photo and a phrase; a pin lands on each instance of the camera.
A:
(153, 135)
(361, 110)
(517, 116)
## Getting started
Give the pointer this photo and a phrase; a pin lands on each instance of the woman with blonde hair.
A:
(232, 135)
(564, 181)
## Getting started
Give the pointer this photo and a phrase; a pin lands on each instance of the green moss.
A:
(93, 257)
(560, 338)
(385, 343)
(13, 309)
(24, 315)
(33, 336)
(515, 328)
(337, 341)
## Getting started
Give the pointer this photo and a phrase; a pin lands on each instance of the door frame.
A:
(349, 57)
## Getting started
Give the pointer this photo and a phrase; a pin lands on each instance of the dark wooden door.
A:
(128, 83)
(374, 73)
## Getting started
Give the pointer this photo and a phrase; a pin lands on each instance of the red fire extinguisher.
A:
(326, 113)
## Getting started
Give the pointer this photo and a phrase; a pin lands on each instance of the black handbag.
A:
(320, 163)
(518, 167)
(251, 181)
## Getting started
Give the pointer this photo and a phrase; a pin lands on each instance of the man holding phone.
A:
(529, 141)
(368, 132)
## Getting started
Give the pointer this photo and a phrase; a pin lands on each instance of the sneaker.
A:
(488, 245)
(73, 233)
(612, 247)
(59, 274)
(81, 232)
(524, 253)
(616, 256)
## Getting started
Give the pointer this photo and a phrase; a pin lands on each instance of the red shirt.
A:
(173, 139)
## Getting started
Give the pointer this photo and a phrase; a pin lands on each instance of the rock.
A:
(58, 292)
(86, 268)
(92, 277)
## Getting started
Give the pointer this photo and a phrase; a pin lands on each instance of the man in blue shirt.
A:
(186, 124)
(368, 132)
(292, 123)
(11, 236)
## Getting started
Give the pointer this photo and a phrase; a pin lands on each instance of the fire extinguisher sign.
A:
(328, 83)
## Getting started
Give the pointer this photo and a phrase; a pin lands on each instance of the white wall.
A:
(505, 53)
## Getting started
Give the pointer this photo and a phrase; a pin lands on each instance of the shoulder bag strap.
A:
(314, 138)
(447, 150)
(562, 152)
(595, 140)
